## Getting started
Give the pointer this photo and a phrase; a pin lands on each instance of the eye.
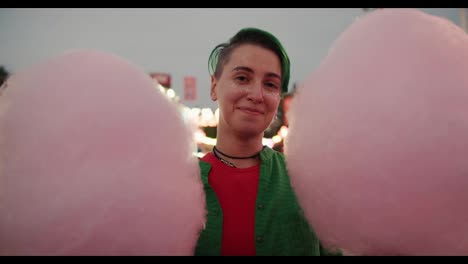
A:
(272, 85)
(241, 78)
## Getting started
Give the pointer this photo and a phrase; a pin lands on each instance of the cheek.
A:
(234, 94)
(227, 101)
(272, 103)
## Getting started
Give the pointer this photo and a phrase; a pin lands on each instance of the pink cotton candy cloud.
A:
(378, 141)
(95, 161)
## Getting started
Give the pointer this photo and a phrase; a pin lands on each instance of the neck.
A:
(238, 146)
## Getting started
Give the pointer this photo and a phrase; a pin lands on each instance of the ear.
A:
(213, 94)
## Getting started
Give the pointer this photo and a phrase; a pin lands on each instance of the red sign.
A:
(163, 79)
(190, 88)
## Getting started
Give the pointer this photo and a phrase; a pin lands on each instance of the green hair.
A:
(220, 55)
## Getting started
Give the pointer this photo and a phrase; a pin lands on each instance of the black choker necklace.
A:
(216, 151)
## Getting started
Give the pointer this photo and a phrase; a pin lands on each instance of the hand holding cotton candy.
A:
(378, 143)
(95, 161)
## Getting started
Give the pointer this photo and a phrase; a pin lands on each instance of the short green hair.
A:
(220, 55)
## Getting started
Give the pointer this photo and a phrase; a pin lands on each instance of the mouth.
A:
(251, 111)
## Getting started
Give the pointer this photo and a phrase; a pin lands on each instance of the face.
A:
(248, 90)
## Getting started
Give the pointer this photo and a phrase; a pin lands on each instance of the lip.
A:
(251, 111)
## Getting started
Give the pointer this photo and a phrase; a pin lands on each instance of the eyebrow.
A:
(247, 69)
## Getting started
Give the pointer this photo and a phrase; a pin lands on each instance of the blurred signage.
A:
(190, 88)
(162, 78)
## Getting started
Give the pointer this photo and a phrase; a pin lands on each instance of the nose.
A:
(255, 93)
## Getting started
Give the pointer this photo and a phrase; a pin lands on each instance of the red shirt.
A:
(236, 190)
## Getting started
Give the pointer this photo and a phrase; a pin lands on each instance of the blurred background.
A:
(173, 44)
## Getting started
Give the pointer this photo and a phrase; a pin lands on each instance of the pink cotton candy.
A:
(95, 161)
(378, 143)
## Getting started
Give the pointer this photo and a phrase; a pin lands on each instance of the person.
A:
(251, 206)
(284, 123)
(4, 74)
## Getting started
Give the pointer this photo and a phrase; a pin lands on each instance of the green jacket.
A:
(280, 225)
